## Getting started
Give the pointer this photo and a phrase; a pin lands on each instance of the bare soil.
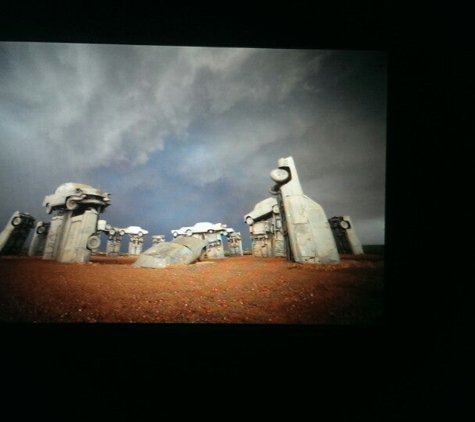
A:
(234, 290)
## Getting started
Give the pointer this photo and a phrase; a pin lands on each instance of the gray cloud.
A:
(192, 133)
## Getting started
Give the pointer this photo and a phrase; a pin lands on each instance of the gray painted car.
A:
(262, 211)
(345, 235)
(309, 232)
(182, 250)
(201, 227)
(15, 233)
(37, 244)
(135, 231)
(70, 196)
(79, 237)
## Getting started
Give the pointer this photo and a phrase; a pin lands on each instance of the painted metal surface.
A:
(215, 248)
(182, 250)
(135, 244)
(200, 228)
(261, 239)
(235, 243)
(114, 237)
(346, 239)
(310, 236)
(80, 237)
(15, 233)
(262, 211)
(113, 244)
(272, 242)
(74, 232)
(38, 242)
(158, 238)
(53, 238)
(73, 196)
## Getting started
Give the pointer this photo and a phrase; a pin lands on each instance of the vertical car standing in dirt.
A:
(265, 226)
(310, 236)
(15, 233)
(345, 235)
(73, 233)
(38, 242)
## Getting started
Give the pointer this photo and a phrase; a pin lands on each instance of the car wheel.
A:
(40, 230)
(49, 209)
(112, 232)
(71, 204)
(344, 224)
(189, 232)
(16, 221)
(210, 231)
(175, 234)
(279, 175)
(249, 221)
(274, 190)
(93, 242)
(122, 232)
(139, 234)
(275, 209)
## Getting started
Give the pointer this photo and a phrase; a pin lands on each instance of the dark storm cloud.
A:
(181, 135)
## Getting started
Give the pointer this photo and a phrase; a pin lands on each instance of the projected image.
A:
(191, 185)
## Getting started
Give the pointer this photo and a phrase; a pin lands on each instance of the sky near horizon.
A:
(180, 135)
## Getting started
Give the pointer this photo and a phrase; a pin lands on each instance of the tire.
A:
(93, 242)
(279, 175)
(112, 232)
(71, 204)
(344, 224)
(40, 230)
(49, 210)
(140, 234)
(210, 231)
(275, 209)
(249, 221)
(122, 232)
(274, 190)
(189, 232)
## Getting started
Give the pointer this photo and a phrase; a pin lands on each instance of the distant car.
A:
(158, 238)
(70, 196)
(135, 230)
(228, 232)
(14, 235)
(202, 227)
(262, 210)
(114, 231)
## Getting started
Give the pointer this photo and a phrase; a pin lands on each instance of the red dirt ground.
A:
(233, 290)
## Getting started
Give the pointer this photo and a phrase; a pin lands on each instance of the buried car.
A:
(201, 227)
(309, 234)
(180, 251)
(15, 233)
(70, 196)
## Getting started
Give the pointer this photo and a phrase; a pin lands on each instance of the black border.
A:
(418, 349)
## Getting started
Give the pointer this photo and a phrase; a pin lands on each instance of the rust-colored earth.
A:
(234, 290)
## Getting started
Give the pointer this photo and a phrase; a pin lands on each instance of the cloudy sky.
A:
(179, 135)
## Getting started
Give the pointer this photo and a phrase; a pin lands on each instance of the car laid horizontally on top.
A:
(135, 230)
(70, 196)
(201, 227)
(262, 210)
